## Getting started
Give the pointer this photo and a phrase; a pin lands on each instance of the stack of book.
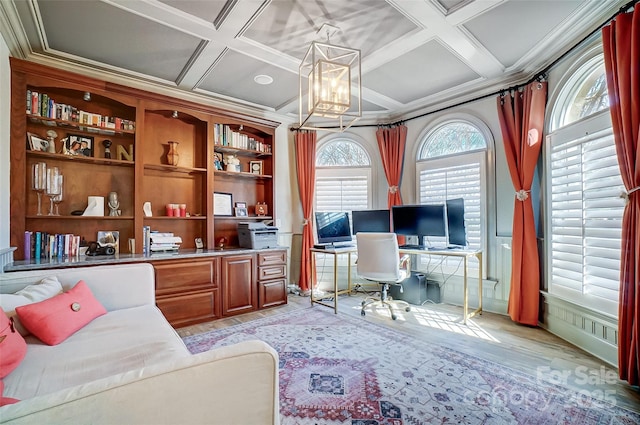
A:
(164, 241)
(39, 245)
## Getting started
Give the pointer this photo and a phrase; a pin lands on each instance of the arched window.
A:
(343, 176)
(451, 164)
(584, 209)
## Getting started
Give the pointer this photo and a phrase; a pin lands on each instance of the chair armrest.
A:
(405, 263)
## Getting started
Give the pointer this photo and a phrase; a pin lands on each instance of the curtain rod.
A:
(540, 75)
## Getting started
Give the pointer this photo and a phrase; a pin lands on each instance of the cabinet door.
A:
(189, 308)
(272, 292)
(239, 291)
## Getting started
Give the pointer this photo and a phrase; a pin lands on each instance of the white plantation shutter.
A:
(346, 190)
(456, 176)
(585, 212)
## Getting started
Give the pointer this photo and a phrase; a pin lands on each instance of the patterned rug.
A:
(337, 369)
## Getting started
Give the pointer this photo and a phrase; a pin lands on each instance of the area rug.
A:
(338, 369)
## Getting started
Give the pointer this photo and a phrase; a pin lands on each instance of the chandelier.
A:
(330, 79)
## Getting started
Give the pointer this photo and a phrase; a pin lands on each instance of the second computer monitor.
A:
(455, 222)
(371, 221)
(420, 220)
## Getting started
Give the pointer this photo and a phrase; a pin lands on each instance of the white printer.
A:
(257, 235)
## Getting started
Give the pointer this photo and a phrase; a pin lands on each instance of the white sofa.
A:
(129, 366)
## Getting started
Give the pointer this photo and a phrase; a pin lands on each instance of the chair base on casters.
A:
(384, 300)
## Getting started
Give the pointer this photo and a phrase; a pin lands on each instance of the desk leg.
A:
(479, 256)
(313, 276)
(349, 273)
(465, 301)
(335, 283)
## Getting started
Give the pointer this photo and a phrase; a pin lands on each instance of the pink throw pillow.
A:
(57, 318)
(13, 347)
(6, 400)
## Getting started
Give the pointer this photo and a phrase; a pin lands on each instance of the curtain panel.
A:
(621, 44)
(306, 142)
(391, 144)
(521, 116)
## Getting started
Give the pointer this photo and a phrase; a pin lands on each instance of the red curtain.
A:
(522, 121)
(391, 143)
(621, 43)
(306, 141)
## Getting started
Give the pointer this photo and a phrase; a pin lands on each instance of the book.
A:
(27, 245)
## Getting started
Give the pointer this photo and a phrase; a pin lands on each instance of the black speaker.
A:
(416, 290)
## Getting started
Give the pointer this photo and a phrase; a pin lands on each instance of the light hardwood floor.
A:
(490, 336)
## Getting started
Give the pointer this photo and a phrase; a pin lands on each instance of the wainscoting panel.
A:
(595, 333)
(6, 257)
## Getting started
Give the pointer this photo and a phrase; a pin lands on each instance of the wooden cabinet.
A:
(272, 278)
(188, 291)
(239, 294)
(129, 131)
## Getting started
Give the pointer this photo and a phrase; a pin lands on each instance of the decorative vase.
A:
(173, 156)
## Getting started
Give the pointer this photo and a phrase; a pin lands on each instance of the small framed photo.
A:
(255, 167)
(79, 145)
(218, 161)
(241, 205)
(37, 143)
(222, 204)
(241, 212)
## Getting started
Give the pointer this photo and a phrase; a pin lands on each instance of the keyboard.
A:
(420, 247)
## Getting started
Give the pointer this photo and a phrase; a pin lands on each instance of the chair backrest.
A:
(378, 257)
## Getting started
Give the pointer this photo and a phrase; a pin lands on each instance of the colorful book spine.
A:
(27, 245)
(38, 243)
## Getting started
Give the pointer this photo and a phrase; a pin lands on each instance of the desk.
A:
(465, 255)
(336, 253)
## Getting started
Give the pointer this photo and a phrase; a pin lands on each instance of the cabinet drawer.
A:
(272, 257)
(189, 308)
(180, 276)
(271, 293)
(272, 272)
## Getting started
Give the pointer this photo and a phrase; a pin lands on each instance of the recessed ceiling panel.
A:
(290, 27)
(450, 5)
(510, 30)
(234, 76)
(206, 10)
(421, 72)
(109, 35)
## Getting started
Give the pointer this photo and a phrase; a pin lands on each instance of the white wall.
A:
(5, 107)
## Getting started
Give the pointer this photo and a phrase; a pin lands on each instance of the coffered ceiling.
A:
(416, 54)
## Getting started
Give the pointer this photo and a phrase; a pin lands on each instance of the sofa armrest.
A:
(236, 384)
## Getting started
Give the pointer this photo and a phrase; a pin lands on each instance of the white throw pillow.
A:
(47, 288)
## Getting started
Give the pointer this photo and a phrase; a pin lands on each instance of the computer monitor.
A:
(455, 222)
(419, 220)
(371, 221)
(333, 227)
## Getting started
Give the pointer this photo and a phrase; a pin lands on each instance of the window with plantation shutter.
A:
(585, 211)
(343, 176)
(452, 164)
(584, 207)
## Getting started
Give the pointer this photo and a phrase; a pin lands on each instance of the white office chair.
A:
(379, 261)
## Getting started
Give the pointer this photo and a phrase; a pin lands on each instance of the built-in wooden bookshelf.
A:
(135, 126)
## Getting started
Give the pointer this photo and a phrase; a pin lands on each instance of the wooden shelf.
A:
(78, 217)
(174, 168)
(163, 217)
(52, 122)
(243, 152)
(80, 158)
(242, 174)
(251, 217)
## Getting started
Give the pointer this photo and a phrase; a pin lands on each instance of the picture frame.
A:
(37, 143)
(241, 212)
(109, 238)
(218, 161)
(77, 144)
(222, 204)
(255, 167)
(241, 205)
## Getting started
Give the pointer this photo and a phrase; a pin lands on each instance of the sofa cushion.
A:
(46, 288)
(116, 342)
(57, 318)
(12, 346)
